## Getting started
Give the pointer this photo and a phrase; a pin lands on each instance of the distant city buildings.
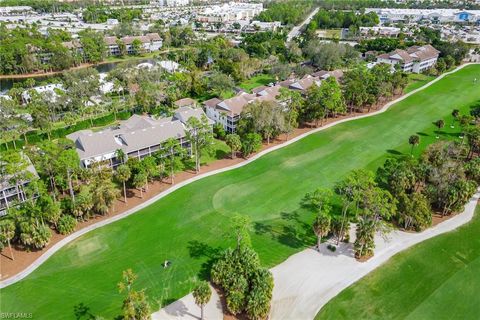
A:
(16, 10)
(434, 15)
(230, 12)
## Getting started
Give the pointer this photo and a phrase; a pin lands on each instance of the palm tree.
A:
(120, 155)
(202, 294)
(104, 194)
(7, 232)
(414, 140)
(123, 174)
(139, 181)
(365, 233)
(234, 142)
(321, 227)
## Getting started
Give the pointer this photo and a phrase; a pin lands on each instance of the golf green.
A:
(190, 225)
(436, 279)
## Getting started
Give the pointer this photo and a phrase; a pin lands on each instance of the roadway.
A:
(296, 30)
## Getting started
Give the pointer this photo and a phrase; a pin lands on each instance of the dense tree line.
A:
(288, 12)
(334, 19)
(405, 192)
(100, 14)
(24, 50)
(409, 4)
(329, 56)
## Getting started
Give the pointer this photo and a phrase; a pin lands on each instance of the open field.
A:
(188, 226)
(436, 279)
(329, 33)
(256, 81)
(416, 80)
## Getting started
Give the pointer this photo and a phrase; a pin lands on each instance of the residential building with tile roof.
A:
(415, 59)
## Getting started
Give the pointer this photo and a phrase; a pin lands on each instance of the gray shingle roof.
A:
(136, 133)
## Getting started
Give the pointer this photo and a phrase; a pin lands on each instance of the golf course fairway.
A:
(190, 225)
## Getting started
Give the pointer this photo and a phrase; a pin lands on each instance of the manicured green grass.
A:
(417, 80)
(188, 226)
(436, 279)
(219, 151)
(329, 33)
(256, 81)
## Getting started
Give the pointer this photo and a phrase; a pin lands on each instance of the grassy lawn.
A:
(256, 81)
(329, 33)
(436, 279)
(416, 80)
(219, 151)
(189, 226)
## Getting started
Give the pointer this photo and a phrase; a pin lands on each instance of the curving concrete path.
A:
(306, 281)
(19, 276)
(186, 308)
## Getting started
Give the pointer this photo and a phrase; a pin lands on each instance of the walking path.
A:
(186, 308)
(102, 223)
(306, 281)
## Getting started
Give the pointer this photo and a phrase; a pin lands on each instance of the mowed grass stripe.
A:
(436, 279)
(188, 226)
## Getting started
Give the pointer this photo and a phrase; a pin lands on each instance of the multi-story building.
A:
(137, 137)
(433, 15)
(227, 112)
(149, 43)
(415, 59)
(230, 12)
(13, 193)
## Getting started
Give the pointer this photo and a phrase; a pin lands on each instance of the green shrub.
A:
(66, 224)
(247, 286)
(331, 248)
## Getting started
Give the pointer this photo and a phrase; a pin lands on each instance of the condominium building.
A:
(230, 12)
(13, 193)
(227, 112)
(137, 137)
(149, 43)
(415, 59)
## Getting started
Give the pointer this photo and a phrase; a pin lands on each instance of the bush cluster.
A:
(248, 287)
(66, 224)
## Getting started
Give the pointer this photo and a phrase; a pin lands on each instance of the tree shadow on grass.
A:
(292, 237)
(423, 134)
(263, 228)
(200, 250)
(394, 152)
(82, 312)
(221, 154)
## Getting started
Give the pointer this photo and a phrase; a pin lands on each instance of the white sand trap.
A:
(186, 308)
(306, 281)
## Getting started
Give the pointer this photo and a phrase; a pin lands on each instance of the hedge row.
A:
(34, 136)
